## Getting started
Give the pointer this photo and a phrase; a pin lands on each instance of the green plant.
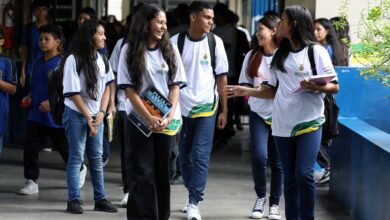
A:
(374, 50)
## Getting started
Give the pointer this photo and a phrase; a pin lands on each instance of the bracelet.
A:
(104, 112)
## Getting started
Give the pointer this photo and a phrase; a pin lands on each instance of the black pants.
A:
(36, 134)
(149, 174)
(121, 116)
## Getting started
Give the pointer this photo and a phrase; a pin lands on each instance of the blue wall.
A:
(367, 100)
(360, 180)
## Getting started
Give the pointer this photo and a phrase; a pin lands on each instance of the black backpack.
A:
(55, 87)
(330, 129)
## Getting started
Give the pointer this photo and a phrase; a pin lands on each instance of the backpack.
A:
(55, 87)
(330, 129)
(212, 45)
(242, 49)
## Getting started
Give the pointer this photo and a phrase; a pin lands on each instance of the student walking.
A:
(297, 117)
(8, 81)
(150, 60)
(205, 62)
(85, 83)
(254, 74)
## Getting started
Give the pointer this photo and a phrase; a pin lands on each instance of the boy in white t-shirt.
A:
(199, 101)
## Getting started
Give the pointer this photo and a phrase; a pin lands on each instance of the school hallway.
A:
(229, 193)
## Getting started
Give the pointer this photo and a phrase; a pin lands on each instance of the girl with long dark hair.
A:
(149, 60)
(253, 75)
(85, 82)
(297, 117)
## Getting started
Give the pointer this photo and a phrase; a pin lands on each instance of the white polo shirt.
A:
(74, 83)
(299, 113)
(156, 74)
(200, 97)
(114, 60)
(262, 107)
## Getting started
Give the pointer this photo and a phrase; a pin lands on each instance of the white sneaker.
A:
(184, 210)
(193, 212)
(124, 200)
(258, 208)
(274, 212)
(30, 187)
(83, 174)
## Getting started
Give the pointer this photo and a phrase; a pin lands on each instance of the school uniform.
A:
(296, 124)
(149, 174)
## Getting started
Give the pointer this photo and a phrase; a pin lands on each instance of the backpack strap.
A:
(212, 46)
(310, 52)
(180, 41)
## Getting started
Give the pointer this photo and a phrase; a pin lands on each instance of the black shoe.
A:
(105, 206)
(177, 180)
(74, 206)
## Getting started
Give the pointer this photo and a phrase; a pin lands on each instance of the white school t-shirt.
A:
(74, 83)
(262, 107)
(299, 113)
(156, 74)
(114, 60)
(200, 97)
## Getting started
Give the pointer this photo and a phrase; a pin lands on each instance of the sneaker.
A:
(75, 206)
(193, 212)
(325, 178)
(47, 149)
(105, 206)
(124, 200)
(83, 174)
(30, 187)
(274, 212)
(258, 208)
(318, 175)
(184, 209)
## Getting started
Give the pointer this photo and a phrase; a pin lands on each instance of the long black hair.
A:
(85, 54)
(303, 33)
(341, 27)
(137, 46)
(271, 22)
(332, 40)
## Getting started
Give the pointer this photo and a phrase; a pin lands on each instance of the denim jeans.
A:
(298, 155)
(196, 140)
(263, 146)
(77, 133)
(106, 143)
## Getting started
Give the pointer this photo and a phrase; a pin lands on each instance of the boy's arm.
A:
(111, 104)
(24, 55)
(222, 117)
(7, 87)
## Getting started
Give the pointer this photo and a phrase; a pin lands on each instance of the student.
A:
(85, 83)
(254, 73)
(199, 101)
(296, 117)
(8, 82)
(149, 59)
(30, 50)
(40, 123)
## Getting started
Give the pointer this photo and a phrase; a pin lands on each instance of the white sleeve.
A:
(71, 79)
(180, 77)
(110, 76)
(174, 39)
(115, 55)
(221, 61)
(323, 62)
(273, 78)
(244, 75)
(124, 80)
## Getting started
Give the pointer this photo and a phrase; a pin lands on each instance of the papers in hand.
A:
(318, 79)
(155, 103)
(110, 127)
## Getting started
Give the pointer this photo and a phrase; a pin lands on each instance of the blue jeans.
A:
(77, 133)
(196, 140)
(298, 155)
(263, 146)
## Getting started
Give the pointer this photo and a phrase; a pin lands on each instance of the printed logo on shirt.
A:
(163, 70)
(301, 67)
(205, 60)
(301, 72)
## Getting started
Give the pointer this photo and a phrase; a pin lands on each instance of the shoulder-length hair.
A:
(271, 22)
(137, 46)
(332, 40)
(85, 54)
(303, 33)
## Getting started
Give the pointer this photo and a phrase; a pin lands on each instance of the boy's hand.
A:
(44, 106)
(26, 101)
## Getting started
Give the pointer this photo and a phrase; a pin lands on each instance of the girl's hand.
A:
(99, 119)
(44, 106)
(306, 84)
(92, 128)
(26, 101)
(154, 123)
(164, 123)
(234, 91)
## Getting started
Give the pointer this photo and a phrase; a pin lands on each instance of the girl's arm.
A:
(173, 97)
(103, 108)
(78, 101)
(7, 87)
(264, 92)
(326, 88)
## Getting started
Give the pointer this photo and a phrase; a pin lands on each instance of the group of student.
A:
(191, 74)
